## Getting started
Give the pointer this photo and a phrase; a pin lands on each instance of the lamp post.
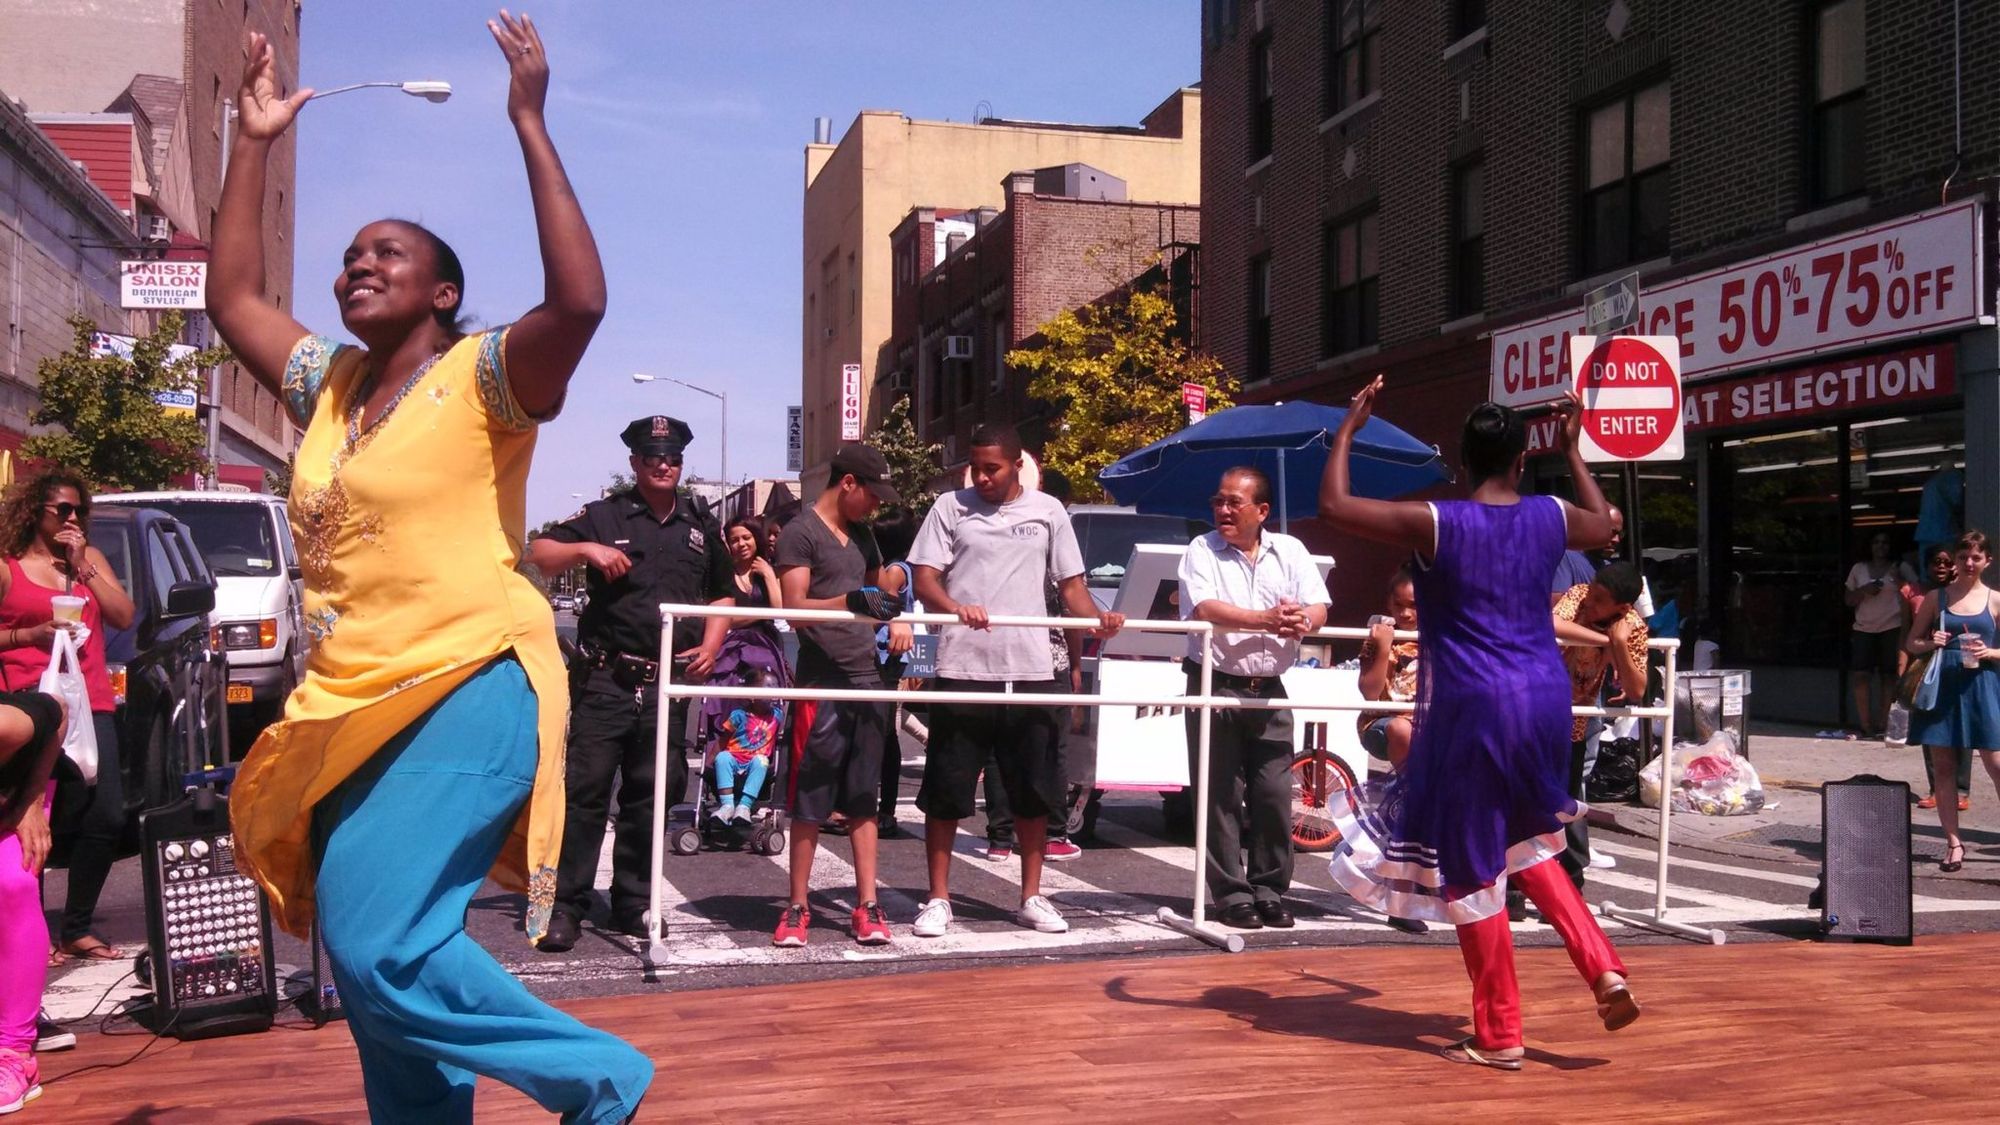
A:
(430, 91)
(722, 396)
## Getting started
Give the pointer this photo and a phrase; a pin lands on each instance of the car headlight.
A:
(262, 633)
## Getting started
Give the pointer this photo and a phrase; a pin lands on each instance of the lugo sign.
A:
(1910, 276)
(1631, 392)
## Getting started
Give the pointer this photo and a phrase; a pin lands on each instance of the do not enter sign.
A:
(1631, 391)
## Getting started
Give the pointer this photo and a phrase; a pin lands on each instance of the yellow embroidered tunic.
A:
(409, 542)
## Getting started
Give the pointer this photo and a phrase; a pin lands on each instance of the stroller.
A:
(743, 652)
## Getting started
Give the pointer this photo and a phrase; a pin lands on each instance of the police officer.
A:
(643, 546)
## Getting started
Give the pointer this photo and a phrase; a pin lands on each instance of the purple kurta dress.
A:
(1484, 791)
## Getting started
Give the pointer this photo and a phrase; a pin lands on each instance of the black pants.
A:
(1249, 786)
(611, 735)
(91, 819)
(1000, 810)
(1576, 834)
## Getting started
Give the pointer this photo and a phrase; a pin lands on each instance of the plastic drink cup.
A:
(1967, 659)
(68, 607)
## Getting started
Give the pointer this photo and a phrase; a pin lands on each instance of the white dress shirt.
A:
(1214, 571)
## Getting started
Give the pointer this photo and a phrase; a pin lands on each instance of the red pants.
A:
(1488, 947)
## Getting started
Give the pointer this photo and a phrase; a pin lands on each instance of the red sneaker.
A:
(870, 928)
(1059, 850)
(792, 927)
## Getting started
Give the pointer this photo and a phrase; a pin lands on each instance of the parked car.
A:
(246, 538)
(563, 603)
(165, 675)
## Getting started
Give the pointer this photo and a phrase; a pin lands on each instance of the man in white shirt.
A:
(1263, 588)
(993, 549)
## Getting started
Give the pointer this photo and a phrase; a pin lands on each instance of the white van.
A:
(246, 539)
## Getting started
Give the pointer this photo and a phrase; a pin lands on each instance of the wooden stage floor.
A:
(1768, 1032)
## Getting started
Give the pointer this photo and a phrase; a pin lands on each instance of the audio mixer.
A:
(208, 925)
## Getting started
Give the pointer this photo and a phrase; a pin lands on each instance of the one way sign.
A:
(1612, 308)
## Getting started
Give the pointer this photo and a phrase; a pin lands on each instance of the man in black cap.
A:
(643, 546)
(828, 559)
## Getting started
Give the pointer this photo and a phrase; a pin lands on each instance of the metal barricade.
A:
(1195, 923)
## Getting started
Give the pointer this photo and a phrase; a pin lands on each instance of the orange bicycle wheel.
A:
(1316, 776)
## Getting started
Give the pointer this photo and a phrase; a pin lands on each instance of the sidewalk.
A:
(1793, 765)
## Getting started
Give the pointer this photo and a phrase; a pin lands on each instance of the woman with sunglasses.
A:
(425, 746)
(45, 520)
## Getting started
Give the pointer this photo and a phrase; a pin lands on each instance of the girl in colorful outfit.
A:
(1956, 621)
(1483, 797)
(31, 734)
(744, 758)
(425, 745)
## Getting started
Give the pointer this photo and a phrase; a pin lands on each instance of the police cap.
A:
(656, 435)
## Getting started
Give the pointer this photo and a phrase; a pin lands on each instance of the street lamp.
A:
(721, 395)
(430, 91)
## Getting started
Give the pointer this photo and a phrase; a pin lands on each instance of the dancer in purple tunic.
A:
(1484, 795)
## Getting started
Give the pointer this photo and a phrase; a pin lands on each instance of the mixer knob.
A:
(208, 990)
(198, 849)
(175, 851)
(202, 870)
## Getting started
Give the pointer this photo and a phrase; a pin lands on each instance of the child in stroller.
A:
(725, 812)
(743, 760)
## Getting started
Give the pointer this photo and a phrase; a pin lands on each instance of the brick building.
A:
(1428, 191)
(971, 285)
(163, 73)
(860, 189)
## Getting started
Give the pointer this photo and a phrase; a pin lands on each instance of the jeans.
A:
(94, 817)
(729, 770)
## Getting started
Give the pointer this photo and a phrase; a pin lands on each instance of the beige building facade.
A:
(858, 190)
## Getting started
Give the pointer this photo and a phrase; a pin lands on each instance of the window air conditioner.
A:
(958, 347)
(156, 228)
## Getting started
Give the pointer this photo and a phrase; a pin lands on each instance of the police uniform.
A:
(613, 694)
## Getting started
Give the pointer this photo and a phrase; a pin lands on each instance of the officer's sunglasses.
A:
(655, 460)
(63, 510)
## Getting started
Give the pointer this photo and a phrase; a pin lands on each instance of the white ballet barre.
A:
(1194, 924)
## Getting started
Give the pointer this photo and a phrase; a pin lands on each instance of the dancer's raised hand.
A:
(527, 64)
(262, 113)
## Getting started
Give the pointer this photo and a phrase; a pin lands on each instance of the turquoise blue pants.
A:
(403, 845)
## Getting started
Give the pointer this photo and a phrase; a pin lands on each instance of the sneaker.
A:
(933, 919)
(999, 853)
(870, 928)
(1039, 914)
(1602, 860)
(20, 1081)
(1060, 849)
(1929, 802)
(792, 927)
(52, 1036)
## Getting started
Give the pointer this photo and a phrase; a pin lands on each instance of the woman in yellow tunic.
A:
(426, 741)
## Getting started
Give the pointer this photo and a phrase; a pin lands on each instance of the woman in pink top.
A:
(44, 528)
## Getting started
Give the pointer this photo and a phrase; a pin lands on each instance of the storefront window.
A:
(1890, 460)
(1779, 560)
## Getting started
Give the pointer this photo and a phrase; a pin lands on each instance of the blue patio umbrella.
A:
(1176, 475)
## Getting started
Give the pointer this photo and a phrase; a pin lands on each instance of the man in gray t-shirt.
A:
(992, 549)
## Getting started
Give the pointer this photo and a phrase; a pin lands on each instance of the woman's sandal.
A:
(1949, 864)
(1616, 1006)
(92, 948)
(1464, 1052)
(57, 958)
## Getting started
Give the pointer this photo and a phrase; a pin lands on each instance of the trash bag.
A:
(1685, 753)
(1616, 776)
(1710, 778)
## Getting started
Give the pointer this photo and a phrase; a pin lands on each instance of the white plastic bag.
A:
(64, 679)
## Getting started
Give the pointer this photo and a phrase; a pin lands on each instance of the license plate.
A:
(239, 693)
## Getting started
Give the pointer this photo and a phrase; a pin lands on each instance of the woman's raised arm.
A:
(261, 336)
(1404, 523)
(546, 344)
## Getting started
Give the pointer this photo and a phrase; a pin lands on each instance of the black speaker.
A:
(1865, 826)
(208, 927)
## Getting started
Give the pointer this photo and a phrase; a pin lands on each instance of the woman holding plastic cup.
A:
(1957, 623)
(56, 580)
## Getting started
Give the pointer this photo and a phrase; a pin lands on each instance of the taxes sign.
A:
(850, 402)
(795, 438)
(1631, 392)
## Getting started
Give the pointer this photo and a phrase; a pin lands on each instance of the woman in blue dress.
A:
(1483, 796)
(1956, 621)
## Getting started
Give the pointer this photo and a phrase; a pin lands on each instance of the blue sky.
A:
(683, 126)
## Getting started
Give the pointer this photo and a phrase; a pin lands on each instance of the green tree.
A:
(1111, 373)
(112, 427)
(914, 464)
(280, 483)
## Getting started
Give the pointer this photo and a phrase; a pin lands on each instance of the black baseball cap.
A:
(656, 435)
(868, 468)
